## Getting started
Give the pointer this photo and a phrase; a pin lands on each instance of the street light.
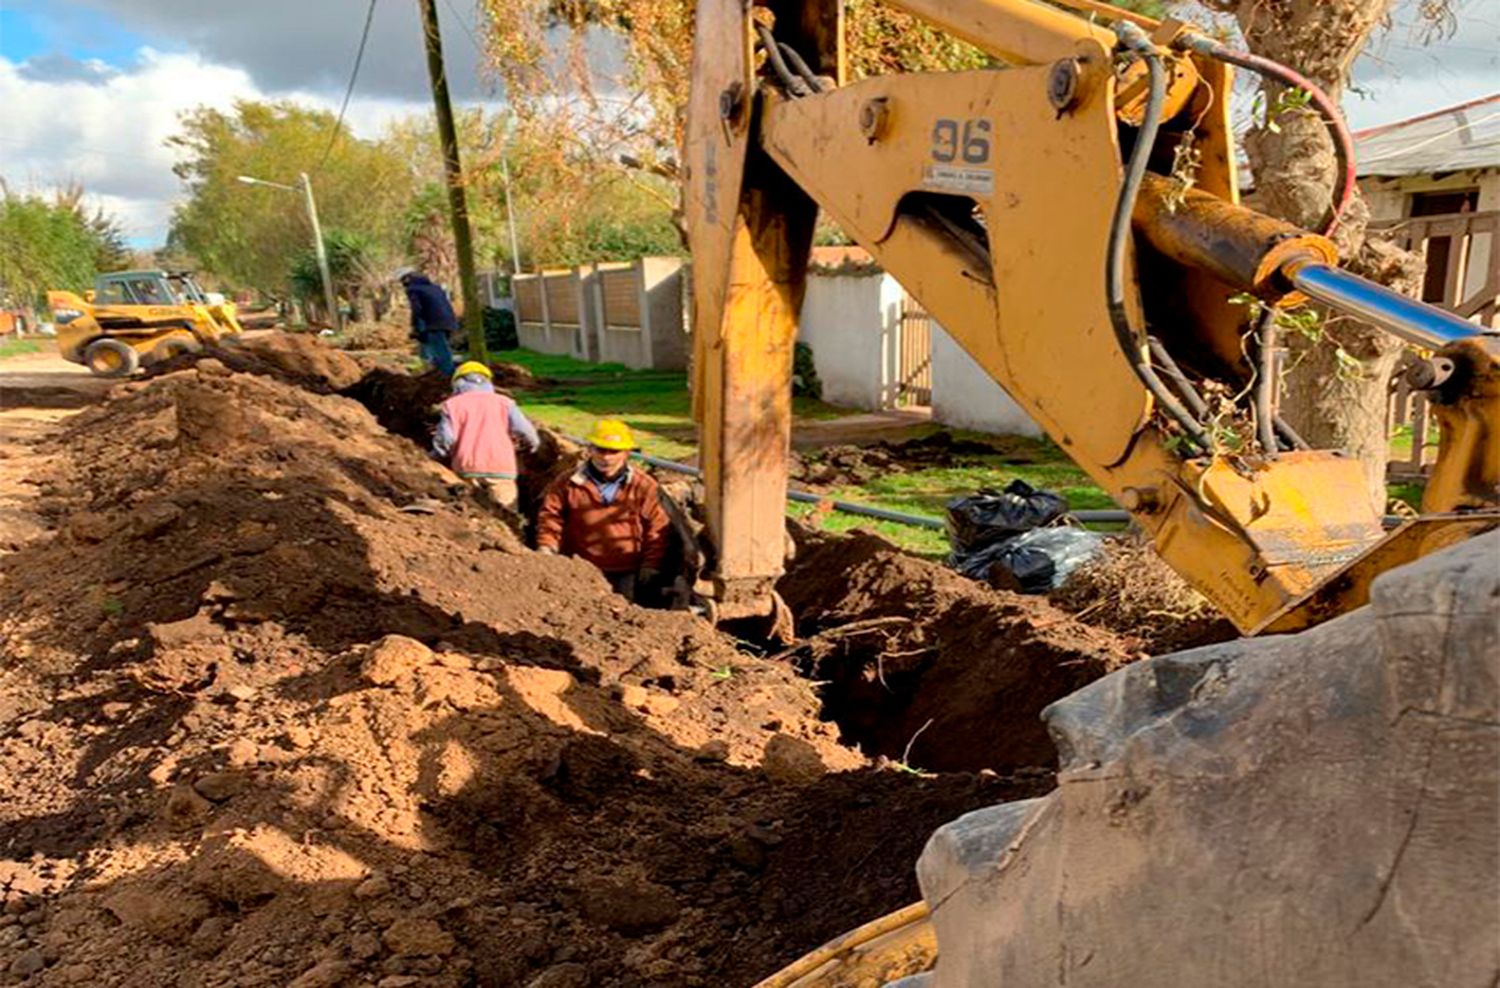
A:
(312, 216)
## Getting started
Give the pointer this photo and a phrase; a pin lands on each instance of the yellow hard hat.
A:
(611, 434)
(472, 367)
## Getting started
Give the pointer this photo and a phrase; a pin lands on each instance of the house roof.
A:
(1456, 138)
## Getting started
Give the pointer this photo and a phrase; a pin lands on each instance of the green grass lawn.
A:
(14, 348)
(658, 408)
(927, 492)
(655, 404)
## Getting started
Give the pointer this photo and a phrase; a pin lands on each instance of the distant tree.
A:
(50, 244)
(249, 235)
(111, 252)
(357, 277)
(1336, 390)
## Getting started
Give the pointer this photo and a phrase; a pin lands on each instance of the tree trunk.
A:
(1332, 400)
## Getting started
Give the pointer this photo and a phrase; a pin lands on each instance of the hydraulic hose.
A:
(795, 85)
(795, 60)
(1343, 141)
(1136, 354)
(1265, 384)
(1178, 379)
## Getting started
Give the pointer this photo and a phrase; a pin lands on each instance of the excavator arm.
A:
(1032, 210)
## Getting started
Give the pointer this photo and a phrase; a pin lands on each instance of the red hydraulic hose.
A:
(1343, 141)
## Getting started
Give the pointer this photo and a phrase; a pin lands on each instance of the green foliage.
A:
(805, 382)
(1288, 100)
(250, 235)
(51, 245)
(500, 329)
(350, 266)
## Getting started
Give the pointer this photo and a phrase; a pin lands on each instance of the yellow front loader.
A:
(131, 318)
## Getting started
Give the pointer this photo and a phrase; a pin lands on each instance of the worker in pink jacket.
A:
(478, 431)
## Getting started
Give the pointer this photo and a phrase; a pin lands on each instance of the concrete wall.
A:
(664, 314)
(630, 313)
(851, 322)
(965, 397)
(535, 336)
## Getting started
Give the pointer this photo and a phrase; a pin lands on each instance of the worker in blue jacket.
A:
(432, 318)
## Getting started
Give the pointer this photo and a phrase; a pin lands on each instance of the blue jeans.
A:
(435, 351)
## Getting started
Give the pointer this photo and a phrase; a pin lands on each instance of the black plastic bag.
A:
(1041, 560)
(990, 516)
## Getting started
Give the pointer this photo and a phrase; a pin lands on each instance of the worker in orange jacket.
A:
(608, 513)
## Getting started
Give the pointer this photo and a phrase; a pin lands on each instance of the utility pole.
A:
(335, 314)
(463, 244)
(335, 317)
(510, 215)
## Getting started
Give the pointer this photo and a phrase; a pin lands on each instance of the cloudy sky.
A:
(90, 89)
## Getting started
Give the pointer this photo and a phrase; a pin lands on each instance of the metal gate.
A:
(914, 367)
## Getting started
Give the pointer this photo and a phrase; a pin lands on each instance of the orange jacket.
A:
(621, 537)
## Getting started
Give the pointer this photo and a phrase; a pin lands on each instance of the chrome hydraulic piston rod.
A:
(1415, 322)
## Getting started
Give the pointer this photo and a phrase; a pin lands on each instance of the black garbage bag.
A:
(1001, 538)
(1041, 560)
(991, 516)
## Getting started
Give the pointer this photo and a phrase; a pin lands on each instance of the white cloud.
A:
(109, 133)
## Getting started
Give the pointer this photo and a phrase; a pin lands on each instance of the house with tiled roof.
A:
(1433, 182)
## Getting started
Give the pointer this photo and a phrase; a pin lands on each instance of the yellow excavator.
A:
(135, 317)
(1036, 210)
(1033, 210)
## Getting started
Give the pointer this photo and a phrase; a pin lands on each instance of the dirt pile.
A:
(1130, 590)
(843, 465)
(289, 357)
(378, 336)
(406, 404)
(930, 668)
(261, 725)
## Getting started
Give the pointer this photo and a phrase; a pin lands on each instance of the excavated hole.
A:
(924, 667)
(917, 664)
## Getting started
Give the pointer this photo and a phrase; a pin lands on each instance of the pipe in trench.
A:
(1094, 516)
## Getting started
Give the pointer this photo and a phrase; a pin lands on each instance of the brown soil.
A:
(218, 767)
(378, 336)
(847, 465)
(930, 668)
(291, 357)
(1130, 590)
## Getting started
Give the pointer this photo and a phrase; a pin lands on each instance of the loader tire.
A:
(111, 358)
(174, 346)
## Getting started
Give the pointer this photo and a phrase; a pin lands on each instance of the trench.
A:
(915, 664)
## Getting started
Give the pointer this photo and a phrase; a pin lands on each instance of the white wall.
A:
(850, 321)
(664, 312)
(965, 397)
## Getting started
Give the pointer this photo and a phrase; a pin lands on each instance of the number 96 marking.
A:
(969, 141)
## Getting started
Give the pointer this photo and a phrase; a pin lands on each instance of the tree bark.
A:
(1333, 402)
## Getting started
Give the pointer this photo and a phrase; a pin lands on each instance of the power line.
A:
(359, 57)
(463, 24)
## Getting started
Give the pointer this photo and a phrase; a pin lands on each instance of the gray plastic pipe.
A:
(1097, 516)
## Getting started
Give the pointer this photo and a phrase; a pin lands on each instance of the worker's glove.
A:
(546, 550)
(648, 574)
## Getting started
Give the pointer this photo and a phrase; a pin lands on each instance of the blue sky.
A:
(90, 89)
(29, 29)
